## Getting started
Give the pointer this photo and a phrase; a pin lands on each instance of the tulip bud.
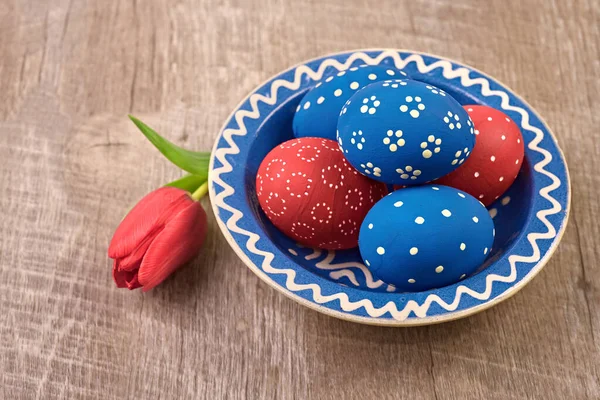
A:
(162, 232)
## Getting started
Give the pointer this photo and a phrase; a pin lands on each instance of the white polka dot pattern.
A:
(445, 234)
(317, 112)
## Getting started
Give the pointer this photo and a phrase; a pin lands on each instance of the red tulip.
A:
(162, 232)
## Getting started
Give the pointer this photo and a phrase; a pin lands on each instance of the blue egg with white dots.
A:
(318, 112)
(404, 132)
(425, 237)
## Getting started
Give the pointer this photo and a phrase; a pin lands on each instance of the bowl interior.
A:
(510, 212)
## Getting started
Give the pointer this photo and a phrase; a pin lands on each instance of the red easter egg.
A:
(313, 195)
(495, 160)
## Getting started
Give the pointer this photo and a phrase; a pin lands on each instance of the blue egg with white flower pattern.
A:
(318, 112)
(404, 132)
(425, 237)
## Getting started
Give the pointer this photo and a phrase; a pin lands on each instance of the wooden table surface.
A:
(71, 165)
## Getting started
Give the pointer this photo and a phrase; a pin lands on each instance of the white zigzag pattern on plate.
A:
(420, 310)
(343, 270)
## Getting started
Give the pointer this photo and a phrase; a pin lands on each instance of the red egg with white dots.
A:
(311, 193)
(495, 160)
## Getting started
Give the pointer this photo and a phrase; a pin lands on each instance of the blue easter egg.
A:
(404, 132)
(318, 112)
(425, 237)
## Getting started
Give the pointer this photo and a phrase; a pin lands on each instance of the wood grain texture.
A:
(71, 165)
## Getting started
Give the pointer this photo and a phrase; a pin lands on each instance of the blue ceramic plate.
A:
(530, 218)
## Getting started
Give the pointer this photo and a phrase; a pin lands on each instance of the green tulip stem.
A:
(200, 192)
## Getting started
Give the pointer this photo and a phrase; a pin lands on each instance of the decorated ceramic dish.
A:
(530, 217)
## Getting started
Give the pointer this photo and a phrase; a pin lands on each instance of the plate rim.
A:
(448, 315)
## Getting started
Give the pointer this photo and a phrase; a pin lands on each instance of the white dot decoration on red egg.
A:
(495, 160)
(312, 194)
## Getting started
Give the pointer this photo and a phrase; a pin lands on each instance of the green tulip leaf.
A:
(195, 163)
(189, 183)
